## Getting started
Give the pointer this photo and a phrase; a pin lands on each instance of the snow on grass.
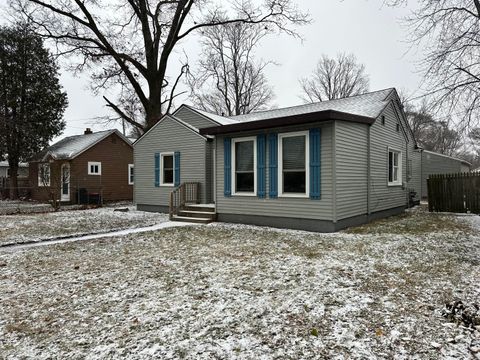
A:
(23, 228)
(235, 291)
(19, 206)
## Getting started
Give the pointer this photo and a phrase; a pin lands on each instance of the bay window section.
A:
(244, 167)
(293, 169)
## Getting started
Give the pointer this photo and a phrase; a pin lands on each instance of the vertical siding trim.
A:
(176, 160)
(261, 177)
(273, 165)
(369, 172)
(227, 167)
(157, 170)
(315, 154)
(334, 171)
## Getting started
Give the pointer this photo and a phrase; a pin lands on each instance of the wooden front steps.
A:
(196, 213)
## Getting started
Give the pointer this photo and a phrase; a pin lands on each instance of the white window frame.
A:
(234, 178)
(41, 183)
(307, 164)
(162, 175)
(399, 181)
(94, 163)
(130, 167)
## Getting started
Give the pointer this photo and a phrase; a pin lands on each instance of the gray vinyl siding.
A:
(280, 207)
(22, 171)
(193, 118)
(416, 179)
(414, 159)
(351, 145)
(168, 136)
(464, 168)
(438, 164)
(383, 137)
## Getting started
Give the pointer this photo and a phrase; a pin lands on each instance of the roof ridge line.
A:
(312, 103)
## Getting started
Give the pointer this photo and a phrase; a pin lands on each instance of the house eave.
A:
(302, 119)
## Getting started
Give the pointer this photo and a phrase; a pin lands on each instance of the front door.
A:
(65, 181)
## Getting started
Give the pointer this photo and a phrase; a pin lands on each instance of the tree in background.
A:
(432, 134)
(448, 32)
(32, 102)
(335, 78)
(474, 156)
(129, 43)
(228, 80)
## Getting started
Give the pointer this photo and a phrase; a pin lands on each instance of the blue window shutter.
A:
(176, 160)
(273, 164)
(227, 167)
(157, 169)
(261, 184)
(315, 152)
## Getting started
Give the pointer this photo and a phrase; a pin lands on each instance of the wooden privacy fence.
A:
(24, 187)
(454, 193)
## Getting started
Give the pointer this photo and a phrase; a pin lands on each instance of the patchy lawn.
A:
(23, 228)
(18, 206)
(229, 291)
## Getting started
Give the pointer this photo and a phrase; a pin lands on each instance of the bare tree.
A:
(228, 80)
(448, 31)
(419, 119)
(335, 78)
(129, 43)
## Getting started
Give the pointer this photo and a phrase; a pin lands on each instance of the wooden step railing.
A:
(185, 193)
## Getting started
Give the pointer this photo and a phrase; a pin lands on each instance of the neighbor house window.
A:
(293, 164)
(167, 170)
(94, 168)
(43, 174)
(394, 167)
(130, 174)
(244, 166)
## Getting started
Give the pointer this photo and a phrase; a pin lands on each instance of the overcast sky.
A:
(366, 28)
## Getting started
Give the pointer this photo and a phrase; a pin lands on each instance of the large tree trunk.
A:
(13, 182)
(154, 110)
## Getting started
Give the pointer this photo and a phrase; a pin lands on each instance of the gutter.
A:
(299, 119)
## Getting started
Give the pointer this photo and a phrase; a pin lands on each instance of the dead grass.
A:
(417, 222)
(228, 291)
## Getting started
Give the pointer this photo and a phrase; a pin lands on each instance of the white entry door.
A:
(65, 181)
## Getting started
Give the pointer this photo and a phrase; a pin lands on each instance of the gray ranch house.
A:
(321, 167)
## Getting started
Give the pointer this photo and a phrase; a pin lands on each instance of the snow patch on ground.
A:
(245, 292)
(24, 228)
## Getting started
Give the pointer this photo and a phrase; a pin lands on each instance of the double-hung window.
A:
(94, 168)
(167, 169)
(244, 166)
(293, 169)
(394, 167)
(131, 174)
(44, 174)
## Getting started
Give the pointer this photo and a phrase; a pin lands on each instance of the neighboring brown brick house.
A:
(84, 167)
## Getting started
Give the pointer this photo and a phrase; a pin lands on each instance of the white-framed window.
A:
(44, 174)
(394, 167)
(94, 168)
(131, 174)
(293, 164)
(167, 169)
(244, 166)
